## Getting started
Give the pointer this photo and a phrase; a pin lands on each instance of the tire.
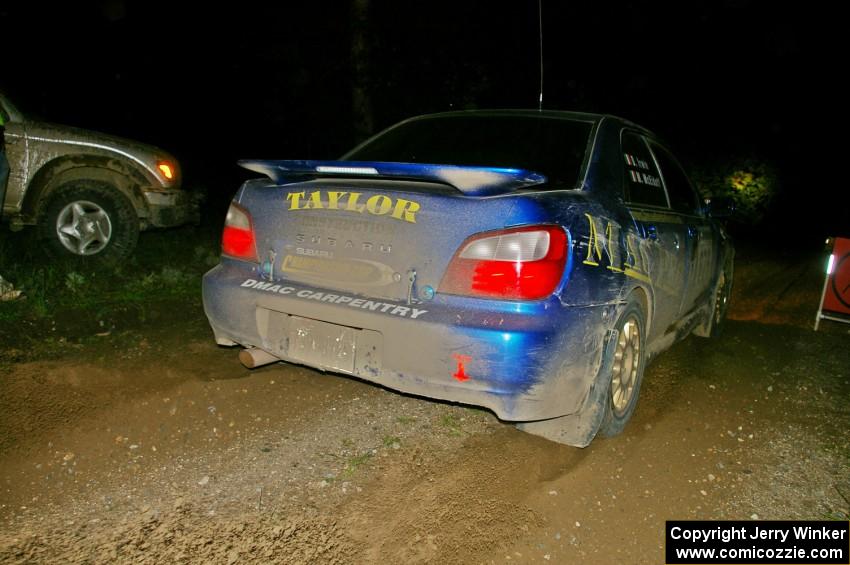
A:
(720, 303)
(89, 220)
(626, 373)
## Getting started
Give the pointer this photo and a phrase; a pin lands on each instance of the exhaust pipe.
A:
(253, 358)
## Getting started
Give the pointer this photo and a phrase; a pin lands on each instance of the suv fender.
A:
(62, 170)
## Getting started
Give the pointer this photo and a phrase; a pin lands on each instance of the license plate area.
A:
(321, 344)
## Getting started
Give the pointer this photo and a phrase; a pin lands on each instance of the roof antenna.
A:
(540, 27)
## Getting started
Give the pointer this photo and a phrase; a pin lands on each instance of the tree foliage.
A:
(751, 182)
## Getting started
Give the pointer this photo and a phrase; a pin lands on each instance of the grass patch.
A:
(451, 423)
(88, 297)
(388, 441)
(354, 463)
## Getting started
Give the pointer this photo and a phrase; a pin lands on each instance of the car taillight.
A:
(237, 239)
(521, 263)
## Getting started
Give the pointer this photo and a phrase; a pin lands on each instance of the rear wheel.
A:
(721, 301)
(89, 220)
(627, 365)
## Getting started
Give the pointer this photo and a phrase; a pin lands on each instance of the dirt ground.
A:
(153, 445)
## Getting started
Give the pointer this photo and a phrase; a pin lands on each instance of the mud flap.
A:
(579, 429)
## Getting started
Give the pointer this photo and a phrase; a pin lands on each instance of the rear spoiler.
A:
(472, 181)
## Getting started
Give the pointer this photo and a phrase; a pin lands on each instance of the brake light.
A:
(521, 263)
(237, 239)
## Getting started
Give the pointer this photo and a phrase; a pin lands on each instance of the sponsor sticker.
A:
(389, 308)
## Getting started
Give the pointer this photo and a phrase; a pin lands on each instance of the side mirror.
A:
(719, 206)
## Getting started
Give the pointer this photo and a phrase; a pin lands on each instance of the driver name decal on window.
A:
(640, 176)
(633, 161)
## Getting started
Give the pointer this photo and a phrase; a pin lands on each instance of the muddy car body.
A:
(89, 193)
(533, 271)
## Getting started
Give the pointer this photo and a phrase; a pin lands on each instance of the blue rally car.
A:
(527, 262)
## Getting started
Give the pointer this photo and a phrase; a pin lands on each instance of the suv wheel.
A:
(89, 219)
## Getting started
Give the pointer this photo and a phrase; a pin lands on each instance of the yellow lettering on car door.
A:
(633, 264)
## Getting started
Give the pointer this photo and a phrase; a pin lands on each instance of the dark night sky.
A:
(717, 79)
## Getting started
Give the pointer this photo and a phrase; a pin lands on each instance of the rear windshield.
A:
(550, 146)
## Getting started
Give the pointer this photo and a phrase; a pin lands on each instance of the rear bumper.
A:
(524, 361)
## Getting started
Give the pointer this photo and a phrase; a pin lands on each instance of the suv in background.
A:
(87, 193)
